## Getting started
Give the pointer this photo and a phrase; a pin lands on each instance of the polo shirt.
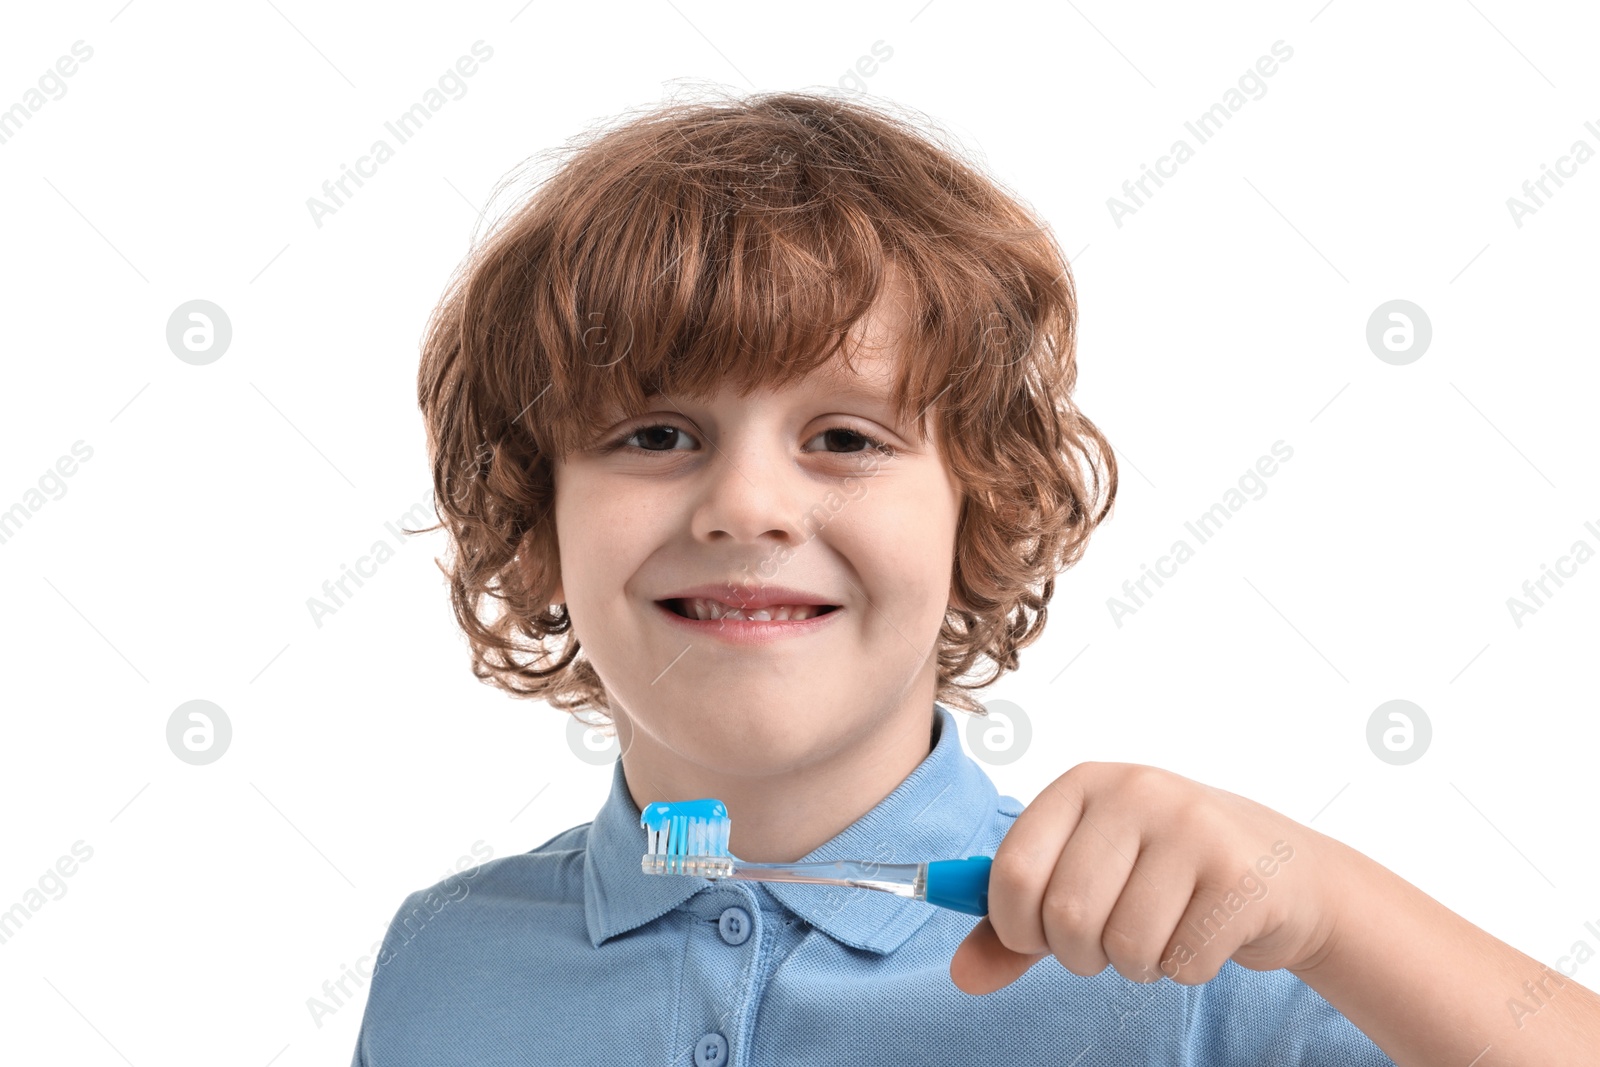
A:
(569, 954)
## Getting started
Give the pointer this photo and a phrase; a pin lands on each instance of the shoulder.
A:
(548, 874)
(540, 888)
(480, 945)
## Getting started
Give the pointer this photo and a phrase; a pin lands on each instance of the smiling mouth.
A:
(710, 610)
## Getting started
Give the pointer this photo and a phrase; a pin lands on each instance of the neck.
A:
(781, 814)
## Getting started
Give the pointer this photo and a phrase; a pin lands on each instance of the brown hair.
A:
(740, 241)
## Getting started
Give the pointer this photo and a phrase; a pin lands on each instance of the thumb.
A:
(982, 964)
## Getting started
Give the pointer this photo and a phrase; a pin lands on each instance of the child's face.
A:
(756, 491)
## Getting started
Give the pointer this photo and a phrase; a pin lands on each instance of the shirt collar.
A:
(941, 808)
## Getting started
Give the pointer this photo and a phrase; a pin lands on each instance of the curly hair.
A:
(738, 241)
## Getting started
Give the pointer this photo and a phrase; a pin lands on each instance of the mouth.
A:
(702, 610)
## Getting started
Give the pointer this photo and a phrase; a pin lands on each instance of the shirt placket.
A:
(723, 971)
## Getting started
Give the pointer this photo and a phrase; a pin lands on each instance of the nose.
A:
(753, 491)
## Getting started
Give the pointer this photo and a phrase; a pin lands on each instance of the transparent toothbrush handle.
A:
(959, 885)
(901, 879)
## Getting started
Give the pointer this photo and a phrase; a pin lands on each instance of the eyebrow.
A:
(851, 391)
(857, 391)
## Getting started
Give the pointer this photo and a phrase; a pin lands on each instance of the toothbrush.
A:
(691, 837)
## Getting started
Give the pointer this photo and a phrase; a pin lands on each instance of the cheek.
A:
(580, 513)
(605, 535)
(902, 542)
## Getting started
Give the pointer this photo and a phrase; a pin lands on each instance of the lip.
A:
(748, 631)
(750, 597)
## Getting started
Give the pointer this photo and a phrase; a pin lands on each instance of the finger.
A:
(1142, 924)
(1089, 878)
(1026, 861)
(982, 964)
(1215, 923)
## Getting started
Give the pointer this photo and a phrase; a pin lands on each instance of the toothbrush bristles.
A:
(687, 842)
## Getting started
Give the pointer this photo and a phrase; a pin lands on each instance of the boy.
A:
(764, 408)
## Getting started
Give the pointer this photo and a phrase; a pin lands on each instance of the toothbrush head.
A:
(687, 837)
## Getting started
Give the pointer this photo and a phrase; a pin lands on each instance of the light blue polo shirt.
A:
(569, 955)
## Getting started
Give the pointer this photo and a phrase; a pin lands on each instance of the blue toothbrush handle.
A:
(960, 885)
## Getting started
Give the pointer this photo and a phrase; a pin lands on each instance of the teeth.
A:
(700, 608)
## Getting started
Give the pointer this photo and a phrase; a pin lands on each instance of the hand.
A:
(1156, 875)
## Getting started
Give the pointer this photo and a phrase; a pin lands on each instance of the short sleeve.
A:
(377, 990)
(1243, 1018)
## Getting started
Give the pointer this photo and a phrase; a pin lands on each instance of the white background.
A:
(1227, 313)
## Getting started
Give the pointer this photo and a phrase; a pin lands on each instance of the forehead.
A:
(868, 379)
(875, 351)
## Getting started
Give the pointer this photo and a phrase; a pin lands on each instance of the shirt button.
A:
(711, 1051)
(734, 925)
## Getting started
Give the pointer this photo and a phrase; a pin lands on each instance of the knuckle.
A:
(1017, 935)
(1190, 821)
(1080, 773)
(1067, 911)
(1011, 873)
(1127, 947)
(1146, 780)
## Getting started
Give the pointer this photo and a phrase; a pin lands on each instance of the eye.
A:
(653, 433)
(871, 443)
(670, 435)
